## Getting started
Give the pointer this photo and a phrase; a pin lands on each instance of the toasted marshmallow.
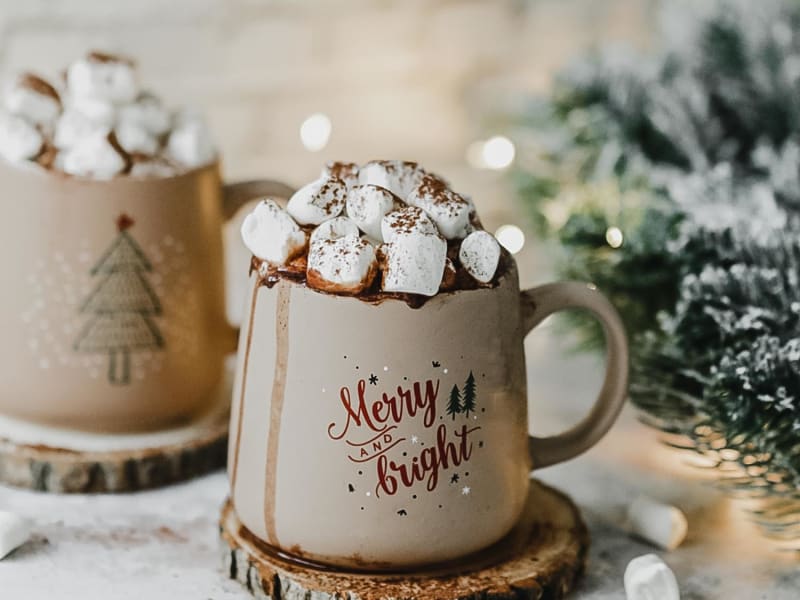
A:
(98, 156)
(480, 254)
(414, 263)
(346, 171)
(32, 97)
(367, 205)
(75, 126)
(135, 139)
(19, 139)
(648, 577)
(450, 211)
(408, 219)
(190, 144)
(103, 77)
(397, 176)
(15, 530)
(333, 229)
(318, 201)
(271, 234)
(345, 265)
(147, 112)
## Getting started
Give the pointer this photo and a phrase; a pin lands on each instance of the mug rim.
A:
(35, 169)
(510, 276)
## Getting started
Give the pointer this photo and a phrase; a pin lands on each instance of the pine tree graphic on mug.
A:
(462, 401)
(122, 306)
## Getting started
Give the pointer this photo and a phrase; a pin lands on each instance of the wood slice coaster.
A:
(540, 559)
(54, 460)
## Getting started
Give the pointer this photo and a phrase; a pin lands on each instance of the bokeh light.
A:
(315, 132)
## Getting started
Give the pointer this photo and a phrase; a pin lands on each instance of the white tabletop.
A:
(163, 544)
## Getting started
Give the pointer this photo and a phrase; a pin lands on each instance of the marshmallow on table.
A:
(397, 176)
(147, 112)
(271, 234)
(660, 524)
(344, 265)
(414, 263)
(103, 77)
(367, 205)
(479, 255)
(649, 578)
(318, 201)
(408, 219)
(97, 156)
(19, 139)
(32, 97)
(448, 210)
(346, 171)
(14, 531)
(333, 229)
(190, 144)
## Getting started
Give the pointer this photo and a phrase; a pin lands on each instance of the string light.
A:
(496, 153)
(315, 132)
(510, 237)
(614, 237)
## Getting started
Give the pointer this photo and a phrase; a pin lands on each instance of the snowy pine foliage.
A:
(693, 152)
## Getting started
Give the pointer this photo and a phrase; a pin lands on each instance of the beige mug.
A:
(113, 315)
(377, 436)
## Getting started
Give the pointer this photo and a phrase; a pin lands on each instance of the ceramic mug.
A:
(113, 314)
(376, 436)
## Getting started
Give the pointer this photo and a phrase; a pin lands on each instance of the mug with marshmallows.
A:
(379, 416)
(111, 246)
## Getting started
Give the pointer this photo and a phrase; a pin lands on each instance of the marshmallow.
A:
(97, 156)
(103, 77)
(33, 98)
(135, 139)
(408, 219)
(74, 126)
(333, 229)
(660, 524)
(271, 234)
(147, 112)
(345, 265)
(397, 176)
(414, 263)
(480, 254)
(448, 210)
(649, 578)
(318, 201)
(346, 171)
(190, 144)
(152, 169)
(19, 139)
(367, 205)
(14, 531)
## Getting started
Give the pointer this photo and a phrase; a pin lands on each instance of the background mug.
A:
(113, 313)
(380, 437)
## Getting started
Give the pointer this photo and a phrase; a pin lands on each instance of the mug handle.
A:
(235, 196)
(542, 301)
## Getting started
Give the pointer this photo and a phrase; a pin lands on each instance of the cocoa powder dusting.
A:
(39, 85)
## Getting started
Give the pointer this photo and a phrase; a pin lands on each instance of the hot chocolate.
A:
(386, 229)
(99, 123)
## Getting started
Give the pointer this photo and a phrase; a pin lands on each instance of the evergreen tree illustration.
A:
(469, 395)
(454, 404)
(122, 306)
